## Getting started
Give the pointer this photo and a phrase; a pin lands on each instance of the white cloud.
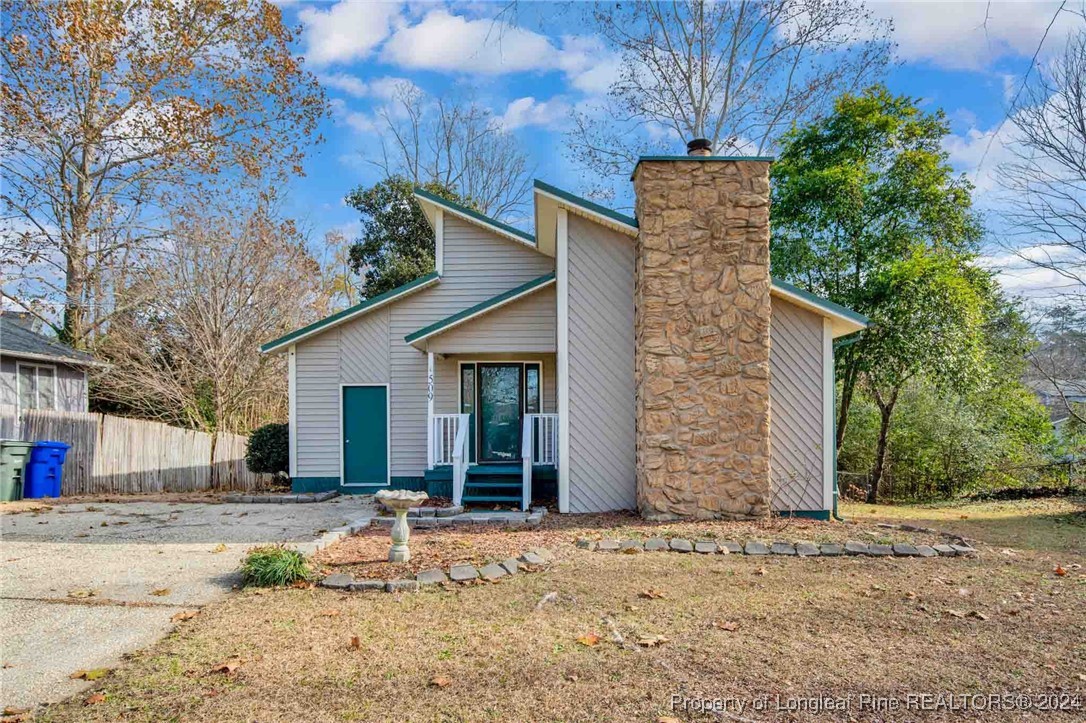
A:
(346, 31)
(978, 153)
(591, 68)
(349, 84)
(1018, 276)
(388, 87)
(530, 112)
(451, 43)
(356, 120)
(971, 35)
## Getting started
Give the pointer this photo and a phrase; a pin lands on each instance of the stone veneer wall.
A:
(702, 315)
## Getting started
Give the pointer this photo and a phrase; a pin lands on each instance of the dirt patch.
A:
(365, 556)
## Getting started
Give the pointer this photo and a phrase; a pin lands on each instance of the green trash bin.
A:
(13, 457)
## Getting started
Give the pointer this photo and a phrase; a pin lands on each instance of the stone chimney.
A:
(702, 336)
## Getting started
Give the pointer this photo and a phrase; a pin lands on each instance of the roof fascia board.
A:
(849, 321)
(467, 214)
(352, 312)
(70, 361)
(480, 309)
(607, 216)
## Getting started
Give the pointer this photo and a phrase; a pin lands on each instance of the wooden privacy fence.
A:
(120, 455)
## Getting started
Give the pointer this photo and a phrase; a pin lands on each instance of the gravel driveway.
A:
(82, 584)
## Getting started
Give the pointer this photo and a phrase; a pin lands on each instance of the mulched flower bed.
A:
(365, 555)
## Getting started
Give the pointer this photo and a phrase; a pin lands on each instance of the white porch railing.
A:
(539, 446)
(443, 437)
(460, 458)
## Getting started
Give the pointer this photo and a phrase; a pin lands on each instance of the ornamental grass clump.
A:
(274, 565)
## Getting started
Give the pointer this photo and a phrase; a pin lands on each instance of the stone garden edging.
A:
(756, 548)
(529, 561)
(294, 499)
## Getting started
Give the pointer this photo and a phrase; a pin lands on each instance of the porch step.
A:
(500, 483)
(490, 498)
(495, 470)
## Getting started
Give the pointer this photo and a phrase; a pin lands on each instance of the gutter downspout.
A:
(848, 341)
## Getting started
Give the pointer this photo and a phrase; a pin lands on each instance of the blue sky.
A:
(967, 58)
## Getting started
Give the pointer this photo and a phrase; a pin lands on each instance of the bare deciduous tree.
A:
(225, 283)
(1045, 186)
(455, 143)
(111, 110)
(738, 73)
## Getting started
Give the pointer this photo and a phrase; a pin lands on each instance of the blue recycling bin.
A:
(44, 469)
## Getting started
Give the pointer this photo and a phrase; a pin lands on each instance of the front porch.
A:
(456, 473)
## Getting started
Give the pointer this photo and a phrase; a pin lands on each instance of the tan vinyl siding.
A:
(447, 381)
(71, 384)
(601, 368)
(478, 265)
(795, 393)
(527, 325)
(317, 405)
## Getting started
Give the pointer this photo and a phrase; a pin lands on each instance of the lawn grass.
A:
(735, 626)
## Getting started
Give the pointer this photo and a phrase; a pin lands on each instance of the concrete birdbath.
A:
(400, 501)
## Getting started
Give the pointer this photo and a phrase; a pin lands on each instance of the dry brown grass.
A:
(809, 627)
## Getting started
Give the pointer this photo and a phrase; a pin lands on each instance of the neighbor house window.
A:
(37, 386)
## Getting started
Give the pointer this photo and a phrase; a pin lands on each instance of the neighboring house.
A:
(1055, 395)
(37, 372)
(623, 362)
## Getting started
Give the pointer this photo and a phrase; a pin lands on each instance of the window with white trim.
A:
(37, 386)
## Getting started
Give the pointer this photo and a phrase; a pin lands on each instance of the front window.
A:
(531, 389)
(37, 386)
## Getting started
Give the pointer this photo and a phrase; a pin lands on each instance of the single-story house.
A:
(627, 362)
(39, 372)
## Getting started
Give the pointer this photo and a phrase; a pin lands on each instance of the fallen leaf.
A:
(651, 594)
(183, 616)
(82, 593)
(977, 615)
(631, 608)
(573, 678)
(329, 613)
(161, 592)
(219, 548)
(1060, 571)
(760, 571)
(651, 641)
(964, 517)
(356, 644)
(227, 667)
(302, 584)
(1081, 676)
(15, 711)
(590, 640)
(667, 719)
(440, 681)
(955, 613)
(95, 699)
(92, 674)
(910, 595)
(730, 625)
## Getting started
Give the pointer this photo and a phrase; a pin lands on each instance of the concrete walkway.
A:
(123, 552)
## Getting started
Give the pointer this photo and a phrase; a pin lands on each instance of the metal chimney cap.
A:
(699, 147)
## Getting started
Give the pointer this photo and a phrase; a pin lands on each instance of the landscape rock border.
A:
(284, 499)
(757, 548)
(529, 561)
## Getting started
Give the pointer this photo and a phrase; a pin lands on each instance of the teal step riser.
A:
(491, 498)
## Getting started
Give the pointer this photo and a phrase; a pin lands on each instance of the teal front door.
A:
(500, 405)
(365, 435)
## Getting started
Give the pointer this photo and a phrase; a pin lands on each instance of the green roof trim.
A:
(824, 303)
(350, 311)
(474, 215)
(586, 204)
(483, 306)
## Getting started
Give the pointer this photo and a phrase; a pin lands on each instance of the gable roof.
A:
(17, 339)
(352, 312)
(431, 202)
(483, 307)
(548, 199)
(845, 320)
